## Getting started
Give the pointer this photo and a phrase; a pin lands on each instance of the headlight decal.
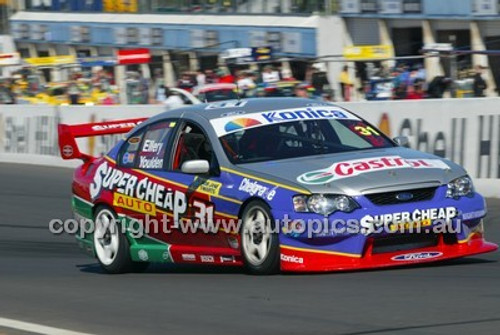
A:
(460, 187)
(324, 204)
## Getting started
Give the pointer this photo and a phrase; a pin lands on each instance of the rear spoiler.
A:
(69, 133)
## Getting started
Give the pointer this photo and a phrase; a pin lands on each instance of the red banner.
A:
(134, 56)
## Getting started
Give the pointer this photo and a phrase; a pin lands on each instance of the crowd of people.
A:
(410, 82)
(222, 83)
(355, 83)
(403, 82)
(29, 86)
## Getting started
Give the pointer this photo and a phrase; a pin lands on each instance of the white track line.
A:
(36, 328)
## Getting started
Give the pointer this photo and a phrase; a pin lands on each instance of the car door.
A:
(181, 205)
(144, 155)
(198, 224)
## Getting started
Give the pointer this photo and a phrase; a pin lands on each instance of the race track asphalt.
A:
(46, 279)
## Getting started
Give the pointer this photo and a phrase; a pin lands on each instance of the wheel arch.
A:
(100, 204)
(250, 200)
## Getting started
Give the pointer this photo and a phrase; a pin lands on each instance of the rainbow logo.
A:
(240, 123)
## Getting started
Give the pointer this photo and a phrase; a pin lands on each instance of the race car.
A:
(216, 92)
(269, 184)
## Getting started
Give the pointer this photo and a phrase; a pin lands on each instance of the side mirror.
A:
(196, 166)
(402, 141)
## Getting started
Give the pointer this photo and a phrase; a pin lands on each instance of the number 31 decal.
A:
(366, 131)
(204, 213)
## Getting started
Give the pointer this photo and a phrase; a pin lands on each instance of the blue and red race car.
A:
(269, 184)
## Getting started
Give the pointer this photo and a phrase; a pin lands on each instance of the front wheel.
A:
(111, 245)
(259, 242)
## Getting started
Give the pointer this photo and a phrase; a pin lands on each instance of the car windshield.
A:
(300, 139)
(219, 95)
(286, 91)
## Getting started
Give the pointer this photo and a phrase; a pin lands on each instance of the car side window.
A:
(192, 144)
(129, 149)
(146, 150)
(348, 137)
(151, 154)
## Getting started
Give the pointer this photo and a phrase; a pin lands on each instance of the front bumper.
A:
(343, 252)
(299, 259)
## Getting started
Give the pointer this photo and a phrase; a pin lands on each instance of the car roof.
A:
(214, 87)
(219, 109)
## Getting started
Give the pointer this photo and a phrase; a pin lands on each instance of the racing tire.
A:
(111, 246)
(259, 241)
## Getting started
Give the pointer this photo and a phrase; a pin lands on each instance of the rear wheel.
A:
(111, 245)
(259, 242)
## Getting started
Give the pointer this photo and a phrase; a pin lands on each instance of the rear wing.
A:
(69, 133)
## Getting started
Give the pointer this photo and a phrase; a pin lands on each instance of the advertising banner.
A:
(248, 55)
(28, 133)
(466, 131)
(54, 60)
(96, 61)
(120, 6)
(10, 59)
(366, 52)
(262, 54)
(134, 56)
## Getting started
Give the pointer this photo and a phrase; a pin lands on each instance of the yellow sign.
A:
(405, 226)
(120, 6)
(368, 52)
(137, 205)
(54, 60)
(210, 187)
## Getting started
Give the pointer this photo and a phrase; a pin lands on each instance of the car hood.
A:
(361, 172)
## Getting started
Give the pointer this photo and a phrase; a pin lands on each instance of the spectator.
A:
(479, 83)
(144, 87)
(400, 91)
(245, 81)
(160, 94)
(287, 74)
(320, 81)
(269, 75)
(421, 74)
(211, 77)
(185, 82)
(438, 86)
(158, 78)
(301, 91)
(362, 71)
(225, 76)
(404, 74)
(172, 99)
(200, 78)
(7, 96)
(415, 92)
(345, 84)
(74, 93)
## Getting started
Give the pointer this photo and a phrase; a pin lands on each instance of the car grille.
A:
(404, 242)
(390, 198)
